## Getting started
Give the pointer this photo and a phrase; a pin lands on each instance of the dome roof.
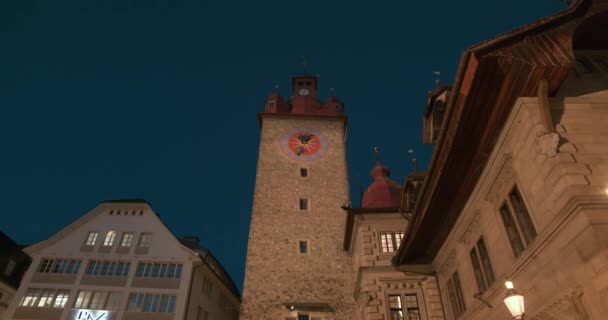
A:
(383, 192)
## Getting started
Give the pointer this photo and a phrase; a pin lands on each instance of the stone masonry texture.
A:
(276, 272)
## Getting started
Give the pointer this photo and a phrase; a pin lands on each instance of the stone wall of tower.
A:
(276, 272)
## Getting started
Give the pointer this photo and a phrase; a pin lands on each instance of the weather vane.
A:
(414, 161)
(304, 63)
(437, 74)
(377, 152)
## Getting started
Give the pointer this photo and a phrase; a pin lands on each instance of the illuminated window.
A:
(98, 300)
(109, 240)
(91, 238)
(30, 298)
(46, 298)
(396, 307)
(145, 239)
(390, 241)
(61, 298)
(127, 239)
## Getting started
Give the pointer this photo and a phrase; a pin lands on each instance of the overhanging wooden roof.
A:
(490, 77)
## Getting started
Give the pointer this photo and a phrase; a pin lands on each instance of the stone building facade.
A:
(120, 261)
(520, 168)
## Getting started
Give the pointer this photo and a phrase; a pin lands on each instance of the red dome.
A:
(383, 192)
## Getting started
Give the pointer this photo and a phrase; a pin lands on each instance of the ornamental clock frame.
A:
(303, 144)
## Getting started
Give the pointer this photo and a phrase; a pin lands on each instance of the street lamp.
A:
(514, 302)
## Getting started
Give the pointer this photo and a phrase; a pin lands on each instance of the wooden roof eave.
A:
(457, 143)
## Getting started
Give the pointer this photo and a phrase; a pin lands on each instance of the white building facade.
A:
(120, 261)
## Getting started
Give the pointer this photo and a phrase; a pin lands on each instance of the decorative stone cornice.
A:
(471, 231)
(568, 306)
(503, 180)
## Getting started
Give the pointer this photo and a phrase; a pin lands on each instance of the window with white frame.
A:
(91, 238)
(44, 298)
(109, 239)
(390, 240)
(108, 268)
(151, 302)
(98, 300)
(145, 240)
(126, 240)
(59, 265)
(159, 270)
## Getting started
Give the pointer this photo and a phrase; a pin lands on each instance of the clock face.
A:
(303, 144)
(304, 92)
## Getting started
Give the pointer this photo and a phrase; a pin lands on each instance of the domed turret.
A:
(383, 192)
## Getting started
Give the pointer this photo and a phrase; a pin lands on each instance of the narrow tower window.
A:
(303, 204)
(303, 247)
(303, 172)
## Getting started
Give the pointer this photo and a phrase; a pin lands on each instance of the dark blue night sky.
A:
(158, 99)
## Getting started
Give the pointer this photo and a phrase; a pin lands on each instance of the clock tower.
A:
(296, 266)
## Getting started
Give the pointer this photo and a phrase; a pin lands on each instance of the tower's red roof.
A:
(383, 192)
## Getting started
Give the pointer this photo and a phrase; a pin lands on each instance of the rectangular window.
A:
(303, 172)
(108, 268)
(516, 219)
(61, 298)
(456, 297)
(396, 307)
(410, 302)
(390, 241)
(91, 238)
(83, 300)
(303, 317)
(481, 283)
(109, 239)
(59, 266)
(113, 302)
(127, 239)
(30, 298)
(523, 217)
(136, 302)
(145, 239)
(45, 265)
(303, 204)
(98, 300)
(140, 302)
(46, 298)
(159, 270)
(303, 247)
(485, 262)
